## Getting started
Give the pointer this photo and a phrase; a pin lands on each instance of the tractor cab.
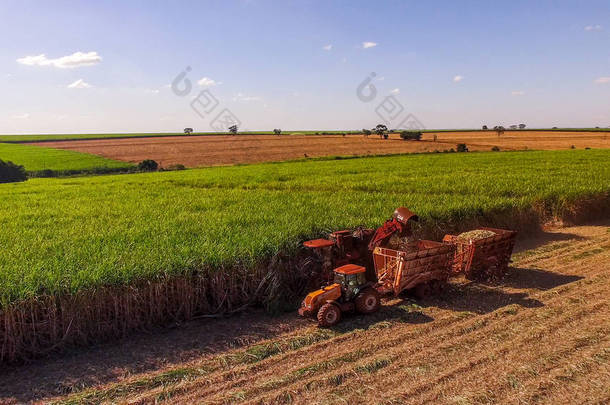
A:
(351, 278)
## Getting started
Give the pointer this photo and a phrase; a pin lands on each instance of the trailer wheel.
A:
(422, 290)
(494, 270)
(329, 315)
(368, 301)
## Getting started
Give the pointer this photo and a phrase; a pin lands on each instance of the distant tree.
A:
(485, 127)
(499, 129)
(45, 173)
(10, 172)
(148, 165)
(554, 127)
(233, 129)
(513, 127)
(521, 126)
(188, 131)
(177, 166)
(366, 132)
(277, 131)
(461, 147)
(411, 135)
(381, 130)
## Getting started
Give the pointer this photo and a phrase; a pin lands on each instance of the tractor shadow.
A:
(540, 239)
(484, 297)
(478, 298)
(405, 311)
(537, 279)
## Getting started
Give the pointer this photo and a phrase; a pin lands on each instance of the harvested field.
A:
(539, 336)
(196, 151)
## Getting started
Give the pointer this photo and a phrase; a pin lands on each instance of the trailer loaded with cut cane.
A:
(396, 263)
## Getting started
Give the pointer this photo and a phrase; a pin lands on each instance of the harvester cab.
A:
(350, 291)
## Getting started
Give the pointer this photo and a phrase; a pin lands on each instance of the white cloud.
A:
(77, 59)
(152, 91)
(517, 93)
(396, 91)
(207, 82)
(79, 84)
(596, 27)
(602, 80)
(368, 44)
(243, 97)
(327, 47)
(21, 116)
(458, 78)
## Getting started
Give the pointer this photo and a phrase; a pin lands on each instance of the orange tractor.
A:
(350, 291)
(397, 263)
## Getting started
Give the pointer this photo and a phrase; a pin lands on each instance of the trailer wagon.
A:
(422, 265)
(487, 257)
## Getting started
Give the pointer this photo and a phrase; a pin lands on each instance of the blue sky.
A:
(107, 66)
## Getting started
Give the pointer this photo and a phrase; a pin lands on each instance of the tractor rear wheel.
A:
(329, 315)
(368, 301)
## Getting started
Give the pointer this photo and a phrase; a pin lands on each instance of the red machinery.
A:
(424, 266)
(421, 266)
(397, 225)
(355, 246)
(483, 258)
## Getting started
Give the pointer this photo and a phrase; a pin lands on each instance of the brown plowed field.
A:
(542, 335)
(194, 151)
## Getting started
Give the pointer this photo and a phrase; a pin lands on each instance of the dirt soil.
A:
(541, 335)
(195, 151)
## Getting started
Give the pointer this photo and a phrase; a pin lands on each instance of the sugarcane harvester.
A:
(395, 262)
(356, 246)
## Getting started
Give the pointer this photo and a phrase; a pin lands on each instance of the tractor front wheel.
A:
(368, 301)
(329, 315)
